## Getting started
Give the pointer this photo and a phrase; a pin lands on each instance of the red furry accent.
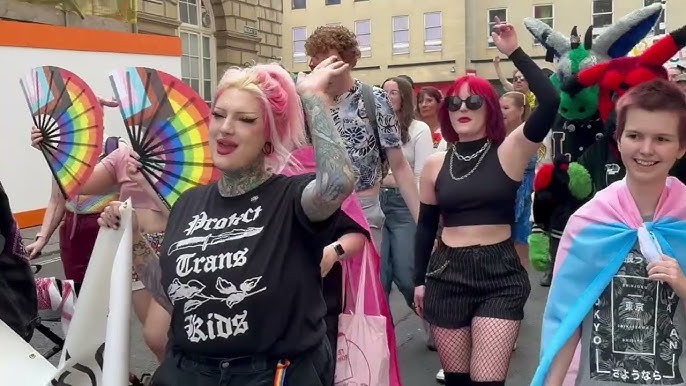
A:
(593, 75)
(660, 52)
(544, 177)
(564, 167)
(617, 76)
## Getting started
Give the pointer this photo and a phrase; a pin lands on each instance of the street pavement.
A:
(418, 365)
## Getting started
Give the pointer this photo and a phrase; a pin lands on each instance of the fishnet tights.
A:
(482, 350)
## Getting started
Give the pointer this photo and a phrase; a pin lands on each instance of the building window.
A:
(500, 13)
(433, 32)
(363, 31)
(544, 13)
(198, 59)
(661, 25)
(299, 4)
(602, 16)
(299, 38)
(333, 2)
(401, 35)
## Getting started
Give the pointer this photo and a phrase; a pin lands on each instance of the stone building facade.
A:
(215, 34)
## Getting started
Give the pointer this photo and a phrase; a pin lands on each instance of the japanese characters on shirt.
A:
(193, 259)
(634, 339)
(351, 120)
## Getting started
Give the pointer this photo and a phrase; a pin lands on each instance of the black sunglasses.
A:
(473, 102)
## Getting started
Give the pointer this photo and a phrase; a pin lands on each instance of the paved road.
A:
(418, 365)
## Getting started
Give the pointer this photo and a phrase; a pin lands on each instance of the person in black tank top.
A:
(472, 288)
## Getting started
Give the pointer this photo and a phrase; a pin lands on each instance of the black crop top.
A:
(485, 197)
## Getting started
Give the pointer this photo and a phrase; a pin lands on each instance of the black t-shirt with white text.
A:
(243, 272)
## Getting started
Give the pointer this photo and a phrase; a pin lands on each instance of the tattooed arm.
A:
(146, 263)
(335, 179)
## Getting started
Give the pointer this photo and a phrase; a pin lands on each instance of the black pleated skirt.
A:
(476, 281)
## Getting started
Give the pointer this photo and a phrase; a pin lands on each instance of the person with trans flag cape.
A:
(615, 294)
(303, 161)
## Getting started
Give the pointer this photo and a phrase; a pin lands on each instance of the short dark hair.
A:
(655, 95)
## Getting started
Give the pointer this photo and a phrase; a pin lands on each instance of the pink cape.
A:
(305, 163)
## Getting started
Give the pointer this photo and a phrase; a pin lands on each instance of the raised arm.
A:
(335, 178)
(518, 147)
(501, 77)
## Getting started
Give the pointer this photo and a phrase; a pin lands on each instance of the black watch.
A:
(338, 248)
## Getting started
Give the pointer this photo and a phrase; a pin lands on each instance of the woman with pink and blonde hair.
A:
(239, 268)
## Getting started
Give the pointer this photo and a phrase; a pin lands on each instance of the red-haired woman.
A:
(474, 283)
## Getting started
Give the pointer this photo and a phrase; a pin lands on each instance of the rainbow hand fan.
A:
(168, 125)
(69, 115)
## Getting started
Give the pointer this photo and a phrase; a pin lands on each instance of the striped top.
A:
(83, 204)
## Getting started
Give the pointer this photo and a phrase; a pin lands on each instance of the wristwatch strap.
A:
(338, 248)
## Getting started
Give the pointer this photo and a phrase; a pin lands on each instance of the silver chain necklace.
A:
(470, 157)
(483, 151)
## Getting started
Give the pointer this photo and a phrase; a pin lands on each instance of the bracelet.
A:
(39, 235)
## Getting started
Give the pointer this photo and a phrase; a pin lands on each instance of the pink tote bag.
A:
(362, 357)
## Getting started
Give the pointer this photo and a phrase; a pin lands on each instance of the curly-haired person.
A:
(365, 120)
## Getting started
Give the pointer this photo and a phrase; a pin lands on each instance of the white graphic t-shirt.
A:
(351, 120)
(243, 272)
(634, 333)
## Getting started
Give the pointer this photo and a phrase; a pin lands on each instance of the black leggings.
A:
(314, 367)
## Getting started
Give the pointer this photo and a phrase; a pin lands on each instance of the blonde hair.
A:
(521, 101)
(283, 115)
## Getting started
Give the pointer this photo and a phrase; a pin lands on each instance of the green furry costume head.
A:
(573, 56)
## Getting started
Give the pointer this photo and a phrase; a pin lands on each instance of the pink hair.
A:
(495, 125)
(284, 121)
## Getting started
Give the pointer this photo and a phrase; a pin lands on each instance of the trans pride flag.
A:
(597, 239)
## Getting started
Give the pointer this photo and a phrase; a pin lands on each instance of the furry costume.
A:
(602, 161)
(614, 79)
(579, 124)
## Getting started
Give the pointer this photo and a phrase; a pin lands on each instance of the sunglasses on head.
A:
(473, 102)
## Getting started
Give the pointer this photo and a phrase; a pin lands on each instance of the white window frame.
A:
(402, 48)
(552, 17)
(433, 45)
(661, 28)
(599, 30)
(200, 32)
(365, 51)
(298, 57)
(489, 21)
